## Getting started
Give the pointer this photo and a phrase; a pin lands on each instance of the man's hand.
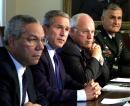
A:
(93, 90)
(96, 51)
(31, 104)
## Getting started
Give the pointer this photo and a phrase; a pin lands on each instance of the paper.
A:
(120, 80)
(116, 87)
(115, 101)
(81, 104)
(127, 104)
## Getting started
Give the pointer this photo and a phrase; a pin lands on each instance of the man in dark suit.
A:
(82, 57)
(114, 51)
(23, 45)
(59, 88)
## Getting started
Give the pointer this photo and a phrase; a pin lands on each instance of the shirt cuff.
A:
(81, 95)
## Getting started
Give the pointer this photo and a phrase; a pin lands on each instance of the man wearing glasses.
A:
(23, 45)
(82, 57)
(49, 74)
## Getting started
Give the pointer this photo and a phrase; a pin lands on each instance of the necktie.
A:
(57, 72)
(83, 59)
(24, 82)
(114, 44)
(113, 39)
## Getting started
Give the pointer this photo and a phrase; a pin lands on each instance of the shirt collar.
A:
(51, 51)
(111, 36)
(19, 67)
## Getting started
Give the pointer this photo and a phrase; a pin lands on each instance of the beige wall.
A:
(36, 8)
(10, 9)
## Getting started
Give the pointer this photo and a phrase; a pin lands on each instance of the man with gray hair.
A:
(54, 82)
(110, 39)
(24, 41)
(82, 57)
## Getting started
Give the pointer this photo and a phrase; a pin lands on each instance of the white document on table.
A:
(120, 80)
(115, 101)
(127, 104)
(116, 87)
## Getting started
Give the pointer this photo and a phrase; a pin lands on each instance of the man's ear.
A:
(102, 18)
(71, 31)
(11, 42)
(45, 28)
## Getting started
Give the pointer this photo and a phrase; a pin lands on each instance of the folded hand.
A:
(93, 90)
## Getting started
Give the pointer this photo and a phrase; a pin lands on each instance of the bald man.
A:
(82, 57)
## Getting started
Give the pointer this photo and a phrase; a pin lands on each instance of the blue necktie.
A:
(57, 72)
(24, 82)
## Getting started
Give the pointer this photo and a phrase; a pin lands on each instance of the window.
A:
(2, 12)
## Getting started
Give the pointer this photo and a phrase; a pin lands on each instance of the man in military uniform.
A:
(115, 53)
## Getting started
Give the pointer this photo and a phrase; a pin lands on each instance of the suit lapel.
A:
(50, 68)
(12, 72)
(119, 43)
(107, 41)
(16, 80)
(30, 90)
(110, 44)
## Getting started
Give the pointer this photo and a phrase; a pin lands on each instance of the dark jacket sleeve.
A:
(124, 63)
(93, 70)
(33, 93)
(5, 90)
(120, 54)
(73, 63)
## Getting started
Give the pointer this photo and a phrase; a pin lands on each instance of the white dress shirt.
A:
(51, 54)
(81, 95)
(20, 71)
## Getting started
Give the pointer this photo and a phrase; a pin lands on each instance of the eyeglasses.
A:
(84, 31)
(33, 40)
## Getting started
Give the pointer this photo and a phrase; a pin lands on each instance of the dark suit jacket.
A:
(9, 84)
(73, 62)
(44, 77)
(120, 54)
